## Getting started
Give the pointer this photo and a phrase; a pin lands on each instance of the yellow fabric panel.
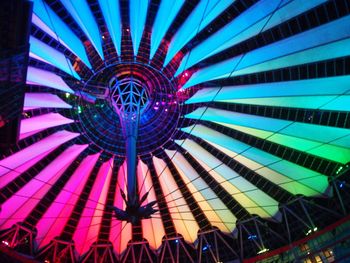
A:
(181, 214)
(223, 218)
(241, 198)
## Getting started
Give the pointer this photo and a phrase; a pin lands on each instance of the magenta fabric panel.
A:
(38, 123)
(24, 201)
(12, 166)
(90, 220)
(44, 100)
(56, 217)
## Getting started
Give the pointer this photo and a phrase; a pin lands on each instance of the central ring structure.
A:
(119, 89)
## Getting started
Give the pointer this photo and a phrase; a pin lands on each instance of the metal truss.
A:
(253, 234)
(100, 253)
(176, 250)
(58, 251)
(214, 246)
(299, 218)
(20, 238)
(138, 252)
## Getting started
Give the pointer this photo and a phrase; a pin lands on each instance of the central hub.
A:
(126, 92)
(128, 95)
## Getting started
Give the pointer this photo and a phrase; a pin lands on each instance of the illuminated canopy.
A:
(245, 115)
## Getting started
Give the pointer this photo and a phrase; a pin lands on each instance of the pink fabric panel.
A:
(28, 134)
(120, 230)
(23, 202)
(90, 221)
(41, 77)
(56, 217)
(152, 228)
(29, 108)
(10, 176)
(31, 154)
(35, 124)
(44, 100)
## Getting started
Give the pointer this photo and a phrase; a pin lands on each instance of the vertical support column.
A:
(131, 132)
(129, 97)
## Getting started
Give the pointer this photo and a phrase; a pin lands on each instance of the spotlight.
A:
(206, 247)
(79, 109)
(311, 230)
(263, 251)
(252, 237)
(5, 243)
